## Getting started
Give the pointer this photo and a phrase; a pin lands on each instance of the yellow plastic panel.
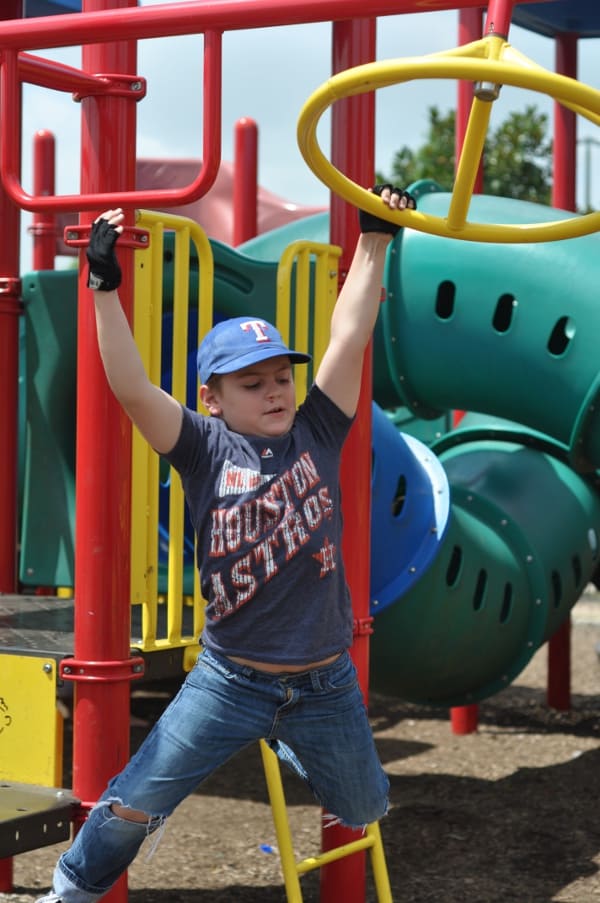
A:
(30, 725)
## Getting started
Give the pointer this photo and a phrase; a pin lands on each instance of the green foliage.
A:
(517, 157)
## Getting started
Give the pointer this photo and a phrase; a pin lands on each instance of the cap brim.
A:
(254, 357)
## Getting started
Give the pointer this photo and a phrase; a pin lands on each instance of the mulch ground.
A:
(509, 813)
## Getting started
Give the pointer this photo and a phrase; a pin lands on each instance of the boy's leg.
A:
(327, 739)
(210, 719)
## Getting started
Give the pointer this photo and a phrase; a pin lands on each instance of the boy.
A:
(262, 484)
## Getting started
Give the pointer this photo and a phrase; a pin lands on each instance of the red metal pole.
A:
(558, 693)
(353, 152)
(498, 18)
(43, 228)
(245, 181)
(10, 310)
(169, 19)
(565, 129)
(103, 462)
(465, 719)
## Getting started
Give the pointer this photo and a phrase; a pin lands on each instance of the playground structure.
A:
(554, 458)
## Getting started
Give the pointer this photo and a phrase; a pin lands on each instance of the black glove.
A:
(370, 223)
(105, 273)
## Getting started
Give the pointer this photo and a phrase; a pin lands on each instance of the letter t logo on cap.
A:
(258, 328)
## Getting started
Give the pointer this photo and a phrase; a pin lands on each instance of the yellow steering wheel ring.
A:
(362, 79)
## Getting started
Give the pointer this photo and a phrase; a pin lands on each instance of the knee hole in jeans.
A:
(129, 814)
(137, 816)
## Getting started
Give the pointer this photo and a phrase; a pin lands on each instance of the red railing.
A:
(24, 67)
(137, 23)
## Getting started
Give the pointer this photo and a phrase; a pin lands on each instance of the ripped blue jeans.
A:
(315, 721)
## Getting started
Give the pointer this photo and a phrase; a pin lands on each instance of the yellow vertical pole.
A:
(281, 823)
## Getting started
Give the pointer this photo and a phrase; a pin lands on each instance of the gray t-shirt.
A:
(267, 515)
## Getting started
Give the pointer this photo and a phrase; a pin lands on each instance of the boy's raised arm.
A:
(155, 413)
(355, 313)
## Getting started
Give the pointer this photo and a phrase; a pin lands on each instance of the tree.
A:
(517, 157)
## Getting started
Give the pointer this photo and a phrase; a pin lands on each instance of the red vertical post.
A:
(103, 458)
(565, 129)
(245, 181)
(43, 228)
(10, 311)
(353, 152)
(464, 719)
(499, 14)
(558, 693)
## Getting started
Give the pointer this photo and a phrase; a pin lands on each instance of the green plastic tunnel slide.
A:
(507, 330)
(521, 544)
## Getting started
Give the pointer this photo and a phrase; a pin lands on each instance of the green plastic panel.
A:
(48, 517)
(241, 283)
(509, 330)
(522, 542)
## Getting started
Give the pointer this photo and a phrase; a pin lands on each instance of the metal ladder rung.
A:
(291, 868)
(345, 849)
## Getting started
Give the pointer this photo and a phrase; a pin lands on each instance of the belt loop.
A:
(315, 679)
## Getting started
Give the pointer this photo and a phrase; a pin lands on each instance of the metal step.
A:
(44, 626)
(33, 816)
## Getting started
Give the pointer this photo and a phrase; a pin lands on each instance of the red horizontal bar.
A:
(167, 20)
(79, 236)
(115, 85)
(50, 74)
(35, 70)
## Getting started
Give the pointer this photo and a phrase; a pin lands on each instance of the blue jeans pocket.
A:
(341, 676)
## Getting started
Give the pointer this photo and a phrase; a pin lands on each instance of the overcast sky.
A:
(268, 74)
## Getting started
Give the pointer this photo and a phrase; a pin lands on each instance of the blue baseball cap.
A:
(236, 343)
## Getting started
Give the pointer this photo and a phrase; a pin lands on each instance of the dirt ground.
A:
(509, 813)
